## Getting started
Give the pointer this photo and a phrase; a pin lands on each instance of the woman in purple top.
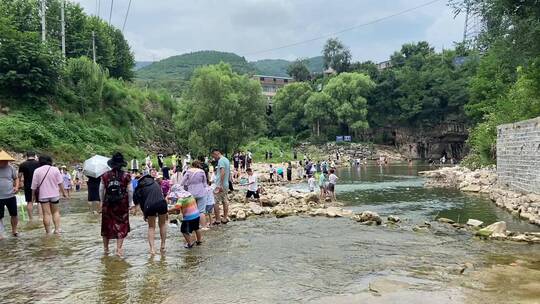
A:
(194, 181)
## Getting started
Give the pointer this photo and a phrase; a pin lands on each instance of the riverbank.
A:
(484, 182)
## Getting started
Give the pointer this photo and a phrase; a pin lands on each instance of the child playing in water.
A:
(311, 183)
(187, 204)
(67, 182)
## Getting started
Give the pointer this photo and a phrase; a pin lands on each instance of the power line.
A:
(344, 30)
(110, 13)
(127, 14)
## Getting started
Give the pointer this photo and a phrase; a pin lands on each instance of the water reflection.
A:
(113, 287)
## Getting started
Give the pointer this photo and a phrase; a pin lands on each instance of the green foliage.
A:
(113, 52)
(276, 145)
(85, 80)
(183, 66)
(27, 66)
(278, 67)
(317, 110)
(505, 88)
(288, 107)
(521, 102)
(222, 108)
(349, 91)
(272, 67)
(336, 55)
(298, 70)
(422, 88)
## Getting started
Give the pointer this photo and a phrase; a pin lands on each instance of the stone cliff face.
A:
(424, 142)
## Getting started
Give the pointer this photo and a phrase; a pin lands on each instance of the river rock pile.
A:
(283, 202)
(524, 205)
(461, 178)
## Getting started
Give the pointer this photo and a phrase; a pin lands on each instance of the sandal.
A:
(16, 234)
(198, 243)
(216, 223)
(224, 222)
(188, 246)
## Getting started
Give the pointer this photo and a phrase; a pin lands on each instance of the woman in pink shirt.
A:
(49, 181)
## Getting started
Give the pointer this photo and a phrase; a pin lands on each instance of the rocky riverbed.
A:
(484, 182)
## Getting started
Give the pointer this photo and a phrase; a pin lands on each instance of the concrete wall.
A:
(518, 155)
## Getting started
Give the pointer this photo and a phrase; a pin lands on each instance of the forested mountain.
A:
(181, 67)
(278, 67)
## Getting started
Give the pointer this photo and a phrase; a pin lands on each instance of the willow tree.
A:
(348, 92)
(220, 109)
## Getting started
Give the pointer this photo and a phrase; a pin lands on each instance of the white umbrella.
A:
(96, 166)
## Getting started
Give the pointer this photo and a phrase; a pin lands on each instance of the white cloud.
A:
(158, 29)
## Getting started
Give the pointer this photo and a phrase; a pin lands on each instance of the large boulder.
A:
(497, 229)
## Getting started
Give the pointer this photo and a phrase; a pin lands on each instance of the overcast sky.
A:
(157, 29)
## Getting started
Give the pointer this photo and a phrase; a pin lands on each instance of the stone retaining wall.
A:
(518, 156)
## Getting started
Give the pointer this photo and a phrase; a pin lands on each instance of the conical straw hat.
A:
(5, 156)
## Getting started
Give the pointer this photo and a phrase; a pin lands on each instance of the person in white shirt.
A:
(332, 180)
(311, 183)
(253, 187)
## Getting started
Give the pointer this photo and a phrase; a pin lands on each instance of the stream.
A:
(290, 260)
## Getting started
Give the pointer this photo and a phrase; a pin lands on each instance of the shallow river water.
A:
(289, 260)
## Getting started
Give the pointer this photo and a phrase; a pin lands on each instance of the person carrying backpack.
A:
(116, 194)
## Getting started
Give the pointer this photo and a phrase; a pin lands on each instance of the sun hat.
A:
(5, 156)
(117, 160)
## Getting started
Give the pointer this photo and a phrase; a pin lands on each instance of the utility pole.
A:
(110, 13)
(63, 22)
(94, 46)
(43, 22)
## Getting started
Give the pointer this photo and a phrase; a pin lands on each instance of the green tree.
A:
(349, 92)
(316, 110)
(124, 60)
(85, 81)
(288, 108)
(27, 66)
(336, 55)
(226, 109)
(298, 70)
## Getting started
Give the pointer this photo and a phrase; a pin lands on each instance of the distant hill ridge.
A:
(182, 66)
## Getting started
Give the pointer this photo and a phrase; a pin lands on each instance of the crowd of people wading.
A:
(196, 190)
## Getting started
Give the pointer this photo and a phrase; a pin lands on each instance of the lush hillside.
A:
(74, 108)
(181, 67)
(274, 67)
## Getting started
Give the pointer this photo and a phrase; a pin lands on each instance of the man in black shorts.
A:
(26, 173)
(9, 186)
